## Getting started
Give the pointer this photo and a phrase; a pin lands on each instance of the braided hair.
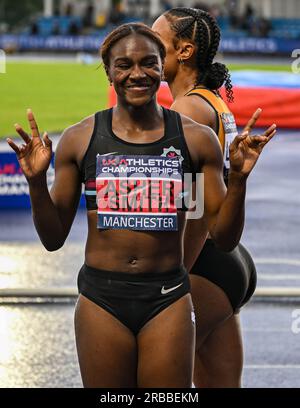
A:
(200, 27)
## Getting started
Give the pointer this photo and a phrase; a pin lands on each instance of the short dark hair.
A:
(125, 30)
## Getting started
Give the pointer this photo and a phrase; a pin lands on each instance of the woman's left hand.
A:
(245, 149)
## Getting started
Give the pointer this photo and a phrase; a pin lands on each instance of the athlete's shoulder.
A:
(196, 108)
(193, 129)
(202, 141)
(79, 129)
(75, 139)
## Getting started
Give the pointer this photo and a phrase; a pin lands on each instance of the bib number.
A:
(138, 192)
(230, 132)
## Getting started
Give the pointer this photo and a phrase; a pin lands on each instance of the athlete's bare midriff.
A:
(133, 251)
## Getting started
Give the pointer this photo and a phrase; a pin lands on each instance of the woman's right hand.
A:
(34, 156)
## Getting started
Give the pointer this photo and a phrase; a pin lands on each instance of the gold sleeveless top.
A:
(226, 126)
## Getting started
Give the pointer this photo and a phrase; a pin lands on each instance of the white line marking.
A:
(275, 261)
(276, 366)
(272, 276)
(277, 291)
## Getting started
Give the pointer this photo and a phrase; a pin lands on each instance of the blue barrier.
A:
(258, 45)
(92, 43)
(14, 192)
(51, 43)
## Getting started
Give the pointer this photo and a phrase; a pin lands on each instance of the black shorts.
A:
(234, 272)
(133, 299)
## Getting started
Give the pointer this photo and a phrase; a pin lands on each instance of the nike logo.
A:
(165, 291)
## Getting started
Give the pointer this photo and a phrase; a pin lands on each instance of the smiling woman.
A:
(134, 318)
(146, 75)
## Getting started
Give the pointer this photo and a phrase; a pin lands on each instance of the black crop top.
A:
(113, 168)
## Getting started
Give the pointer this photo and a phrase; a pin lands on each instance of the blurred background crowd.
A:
(237, 18)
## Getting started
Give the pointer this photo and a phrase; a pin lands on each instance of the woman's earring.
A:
(180, 60)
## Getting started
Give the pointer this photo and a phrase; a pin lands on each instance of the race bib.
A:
(138, 192)
(230, 132)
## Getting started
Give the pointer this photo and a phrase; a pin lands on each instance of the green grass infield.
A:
(60, 94)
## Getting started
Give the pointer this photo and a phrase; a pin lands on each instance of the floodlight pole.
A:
(154, 8)
(267, 8)
(48, 8)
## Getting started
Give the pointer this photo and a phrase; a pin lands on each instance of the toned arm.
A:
(53, 212)
(224, 211)
(59, 206)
